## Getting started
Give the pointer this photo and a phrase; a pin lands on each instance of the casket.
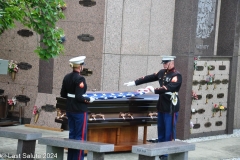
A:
(116, 117)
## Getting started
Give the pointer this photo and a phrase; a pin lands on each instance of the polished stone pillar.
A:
(45, 83)
(193, 35)
(228, 45)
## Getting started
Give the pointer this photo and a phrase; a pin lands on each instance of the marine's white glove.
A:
(143, 90)
(150, 88)
(130, 84)
(91, 99)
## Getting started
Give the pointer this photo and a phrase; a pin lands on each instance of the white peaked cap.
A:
(168, 58)
(77, 60)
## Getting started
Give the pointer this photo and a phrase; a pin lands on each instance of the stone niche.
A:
(210, 85)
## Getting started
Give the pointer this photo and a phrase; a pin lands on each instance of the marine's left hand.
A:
(143, 90)
(91, 99)
(150, 88)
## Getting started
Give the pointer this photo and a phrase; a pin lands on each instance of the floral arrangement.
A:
(222, 108)
(191, 126)
(215, 108)
(210, 78)
(12, 66)
(218, 107)
(36, 110)
(193, 111)
(194, 95)
(63, 7)
(195, 62)
(209, 68)
(12, 102)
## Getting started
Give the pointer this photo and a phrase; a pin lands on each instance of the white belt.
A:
(71, 95)
(173, 97)
(170, 93)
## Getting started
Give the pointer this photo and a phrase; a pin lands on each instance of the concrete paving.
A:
(218, 149)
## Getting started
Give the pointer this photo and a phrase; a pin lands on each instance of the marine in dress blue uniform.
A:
(74, 86)
(168, 105)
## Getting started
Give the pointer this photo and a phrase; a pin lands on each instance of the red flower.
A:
(10, 102)
(36, 110)
(194, 95)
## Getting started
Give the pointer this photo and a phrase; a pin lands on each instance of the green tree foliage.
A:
(40, 16)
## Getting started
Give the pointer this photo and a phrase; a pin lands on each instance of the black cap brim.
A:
(166, 61)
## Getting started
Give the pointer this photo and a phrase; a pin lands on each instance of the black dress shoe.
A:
(163, 157)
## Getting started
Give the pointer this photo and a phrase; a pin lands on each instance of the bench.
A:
(26, 141)
(55, 147)
(175, 150)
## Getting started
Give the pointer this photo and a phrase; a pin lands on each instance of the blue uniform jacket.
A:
(74, 83)
(165, 78)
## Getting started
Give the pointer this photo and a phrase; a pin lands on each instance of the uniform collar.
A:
(171, 70)
(76, 71)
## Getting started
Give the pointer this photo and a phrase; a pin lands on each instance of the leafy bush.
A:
(39, 15)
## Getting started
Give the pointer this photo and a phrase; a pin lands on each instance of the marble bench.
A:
(176, 150)
(56, 146)
(26, 141)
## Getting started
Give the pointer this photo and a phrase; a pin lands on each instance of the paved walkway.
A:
(226, 148)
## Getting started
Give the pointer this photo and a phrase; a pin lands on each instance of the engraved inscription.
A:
(217, 81)
(199, 68)
(208, 124)
(218, 123)
(220, 95)
(224, 81)
(202, 46)
(203, 82)
(174, 148)
(196, 126)
(205, 18)
(222, 67)
(209, 96)
(141, 150)
(199, 97)
(195, 82)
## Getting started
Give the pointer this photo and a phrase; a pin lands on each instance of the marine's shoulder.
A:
(80, 77)
(176, 71)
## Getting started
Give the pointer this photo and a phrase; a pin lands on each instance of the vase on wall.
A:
(36, 117)
(220, 113)
(13, 75)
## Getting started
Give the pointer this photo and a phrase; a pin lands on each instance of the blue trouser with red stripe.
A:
(166, 126)
(77, 123)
